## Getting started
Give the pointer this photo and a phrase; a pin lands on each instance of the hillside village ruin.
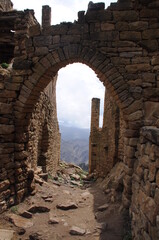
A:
(121, 44)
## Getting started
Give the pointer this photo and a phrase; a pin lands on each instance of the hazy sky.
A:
(77, 84)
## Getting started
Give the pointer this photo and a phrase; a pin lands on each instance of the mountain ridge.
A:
(74, 145)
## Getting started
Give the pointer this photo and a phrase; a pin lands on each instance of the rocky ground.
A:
(67, 206)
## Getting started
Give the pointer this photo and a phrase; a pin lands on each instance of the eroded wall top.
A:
(6, 5)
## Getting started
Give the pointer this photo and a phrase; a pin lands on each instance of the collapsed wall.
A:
(43, 137)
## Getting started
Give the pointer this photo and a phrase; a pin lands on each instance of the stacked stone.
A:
(145, 199)
(121, 45)
(44, 136)
(6, 5)
(106, 143)
(7, 129)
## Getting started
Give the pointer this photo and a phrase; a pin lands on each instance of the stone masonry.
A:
(106, 143)
(121, 44)
(44, 136)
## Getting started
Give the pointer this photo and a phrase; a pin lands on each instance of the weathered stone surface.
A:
(157, 178)
(130, 35)
(35, 30)
(4, 185)
(53, 219)
(107, 26)
(38, 209)
(7, 234)
(77, 231)
(6, 129)
(125, 16)
(20, 222)
(67, 206)
(5, 108)
(121, 45)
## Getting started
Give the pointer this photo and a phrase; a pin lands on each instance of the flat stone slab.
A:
(20, 222)
(103, 207)
(7, 234)
(77, 231)
(67, 206)
(38, 209)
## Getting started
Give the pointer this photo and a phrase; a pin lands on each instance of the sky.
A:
(77, 84)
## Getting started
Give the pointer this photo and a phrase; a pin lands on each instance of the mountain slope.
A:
(74, 145)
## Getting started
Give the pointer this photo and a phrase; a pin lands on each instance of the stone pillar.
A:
(46, 16)
(93, 134)
(95, 114)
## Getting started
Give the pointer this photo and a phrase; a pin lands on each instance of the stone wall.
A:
(145, 186)
(121, 45)
(6, 5)
(106, 143)
(44, 136)
(7, 132)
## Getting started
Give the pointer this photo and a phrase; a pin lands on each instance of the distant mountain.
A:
(74, 145)
(72, 133)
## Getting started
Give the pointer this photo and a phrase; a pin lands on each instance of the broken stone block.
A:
(20, 222)
(77, 231)
(67, 206)
(38, 180)
(38, 209)
(44, 176)
(7, 234)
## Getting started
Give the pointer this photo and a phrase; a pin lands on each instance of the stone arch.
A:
(47, 67)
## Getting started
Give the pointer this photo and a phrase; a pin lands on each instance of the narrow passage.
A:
(66, 206)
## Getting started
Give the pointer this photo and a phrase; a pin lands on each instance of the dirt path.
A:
(48, 222)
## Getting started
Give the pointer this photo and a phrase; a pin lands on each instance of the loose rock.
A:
(38, 209)
(20, 222)
(7, 234)
(67, 206)
(77, 231)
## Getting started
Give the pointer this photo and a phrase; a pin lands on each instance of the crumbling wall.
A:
(7, 131)
(6, 5)
(106, 143)
(121, 45)
(44, 136)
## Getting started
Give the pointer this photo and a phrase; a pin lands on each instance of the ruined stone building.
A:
(121, 44)
(44, 137)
